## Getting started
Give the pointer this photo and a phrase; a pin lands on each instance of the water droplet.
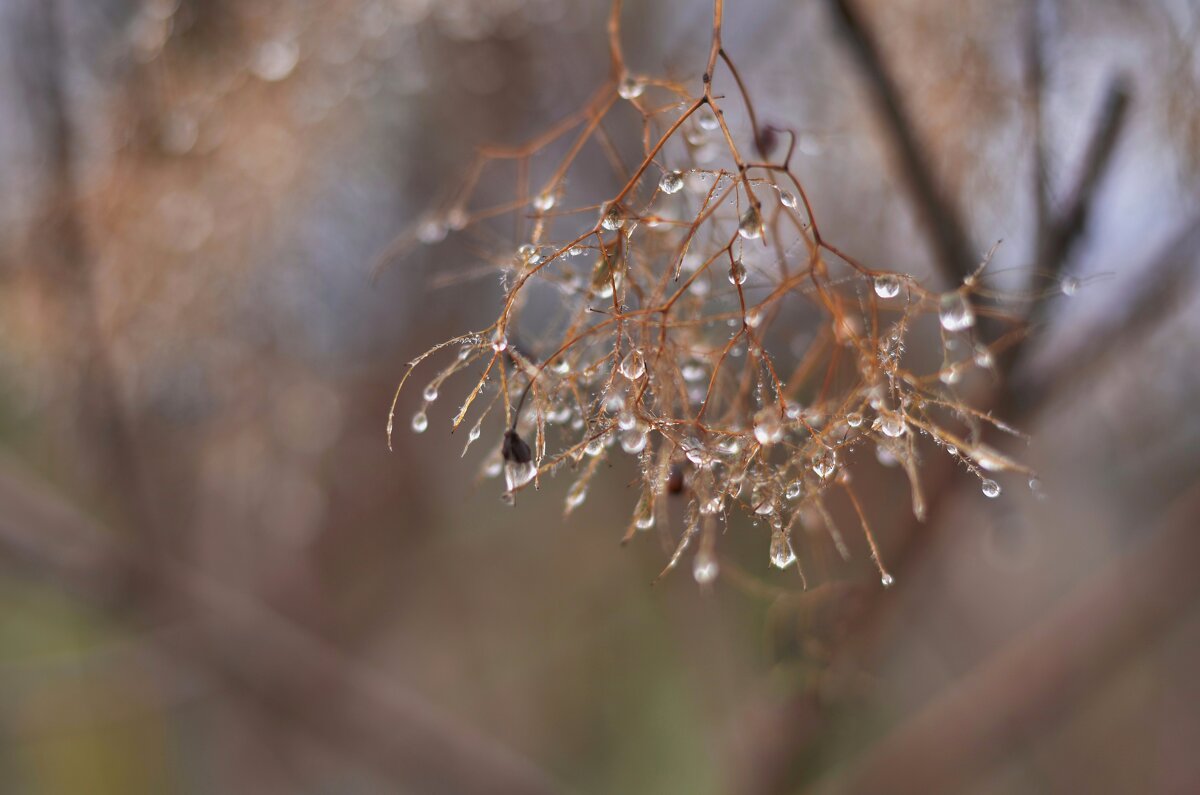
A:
(626, 420)
(420, 422)
(631, 87)
(671, 182)
(824, 464)
(854, 419)
(633, 440)
(950, 375)
(517, 474)
(474, 433)
(431, 230)
(887, 285)
(788, 199)
(768, 429)
(1070, 286)
(527, 254)
(456, 218)
(633, 366)
(431, 392)
(705, 568)
(544, 202)
(991, 488)
(499, 342)
(885, 456)
(707, 119)
(892, 424)
(983, 357)
(887, 580)
(1035, 484)
(595, 447)
(560, 366)
(275, 60)
(955, 312)
(692, 370)
(737, 272)
(751, 226)
(576, 494)
(782, 554)
(793, 490)
(612, 219)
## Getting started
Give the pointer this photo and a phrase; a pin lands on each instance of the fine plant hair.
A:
(677, 300)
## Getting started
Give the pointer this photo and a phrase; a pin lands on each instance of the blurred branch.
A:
(1017, 694)
(1166, 283)
(278, 664)
(1067, 227)
(952, 247)
(60, 250)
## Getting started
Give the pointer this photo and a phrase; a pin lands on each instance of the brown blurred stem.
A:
(242, 643)
(954, 253)
(60, 250)
(1020, 691)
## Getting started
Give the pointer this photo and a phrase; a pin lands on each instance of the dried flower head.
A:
(706, 327)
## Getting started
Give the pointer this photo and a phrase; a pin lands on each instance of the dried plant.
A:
(673, 330)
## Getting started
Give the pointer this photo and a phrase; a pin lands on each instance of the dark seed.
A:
(515, 448)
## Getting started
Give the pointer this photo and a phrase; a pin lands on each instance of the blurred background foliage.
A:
(215, 578)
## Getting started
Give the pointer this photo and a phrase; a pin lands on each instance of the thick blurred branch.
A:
(1019, 692)
(1071, 220)
(276, 663)
(954, 252)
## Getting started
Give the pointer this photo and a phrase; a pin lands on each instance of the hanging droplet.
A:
(955, 312)
(950, 375)
(633, 366)
(1069, 286)
(768, 428)
(613, 219)
(887, 580)
(793, 490)
(517, 474)
(824, 464)
(671, 182)
(737, 272)
(431, 230)
(474, 433)
(631, 87)
(633, 440)
(751, 225)
(576, 494)
(276, 60)
(527, 254)
(420, 422)
(431, 392)
(457, 218)
(705, 568)
(891, 424)
(707, 119)
(692, 370)
(854, 419)
(544, 202)
(594, 447)
(782, 554)
(788, 199)
(499, 342)
(887, 285)
(991, 488)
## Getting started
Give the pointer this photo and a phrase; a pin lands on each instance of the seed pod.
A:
(515, 448)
